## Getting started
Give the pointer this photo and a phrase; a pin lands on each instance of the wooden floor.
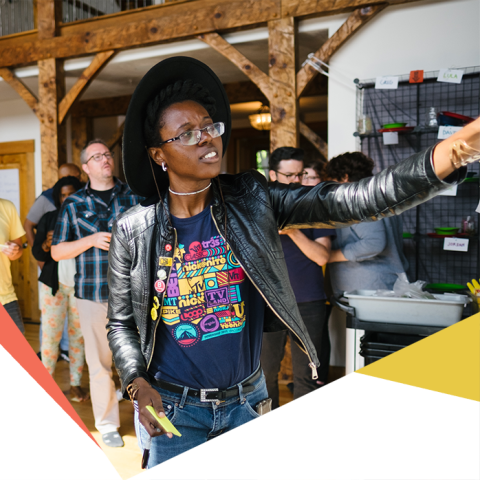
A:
(127, 459)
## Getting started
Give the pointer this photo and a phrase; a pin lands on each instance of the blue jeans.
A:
(197, 421)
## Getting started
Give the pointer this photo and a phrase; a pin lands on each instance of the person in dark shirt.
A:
(57, 298)
(306, 251)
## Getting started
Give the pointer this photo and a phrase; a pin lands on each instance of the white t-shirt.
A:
(66, 272)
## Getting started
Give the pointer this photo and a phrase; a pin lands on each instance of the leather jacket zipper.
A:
(161, 306)
(311, 364)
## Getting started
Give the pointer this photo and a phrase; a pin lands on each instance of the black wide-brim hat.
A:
(136, 162)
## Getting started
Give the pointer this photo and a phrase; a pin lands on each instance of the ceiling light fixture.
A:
(261, 120)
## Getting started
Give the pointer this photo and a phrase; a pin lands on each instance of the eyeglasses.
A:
(288, 176)
(99, 156)
(193, 137)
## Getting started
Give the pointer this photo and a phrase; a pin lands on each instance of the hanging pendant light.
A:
(262, 119)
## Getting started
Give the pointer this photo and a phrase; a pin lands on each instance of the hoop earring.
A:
(164, 167)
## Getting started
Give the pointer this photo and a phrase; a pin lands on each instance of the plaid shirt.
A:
(83, 214)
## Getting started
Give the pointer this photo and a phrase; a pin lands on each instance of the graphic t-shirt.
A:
(200, 342)
(305, 276)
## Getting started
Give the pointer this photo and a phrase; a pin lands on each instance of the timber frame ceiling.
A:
(272, 63)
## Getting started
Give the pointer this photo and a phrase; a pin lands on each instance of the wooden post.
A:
(48, 16)
(283, 101)
(51, 89)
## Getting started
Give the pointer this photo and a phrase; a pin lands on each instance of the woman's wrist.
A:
(135, 386)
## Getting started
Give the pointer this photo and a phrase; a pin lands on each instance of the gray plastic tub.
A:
(444, 311)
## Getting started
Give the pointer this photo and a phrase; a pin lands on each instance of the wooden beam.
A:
(140, 28)
(98, 63)
(283, 101)
(246, 66)
(20, 88)
(116, 137)
(305, 8)
(165, 23)
(315, 139)
(12, 148)
(354, 22)
(53, 136)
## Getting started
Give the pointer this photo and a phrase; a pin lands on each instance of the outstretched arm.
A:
(441, 156)
(390, 192)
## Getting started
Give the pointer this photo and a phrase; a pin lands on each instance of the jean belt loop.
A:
(240, 392)
(184, 397)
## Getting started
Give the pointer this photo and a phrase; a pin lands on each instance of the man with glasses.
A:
(306, 251)
(83, 232)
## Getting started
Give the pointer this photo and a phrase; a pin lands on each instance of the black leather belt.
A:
(211, 394)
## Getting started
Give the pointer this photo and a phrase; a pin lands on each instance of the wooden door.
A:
(19, 156)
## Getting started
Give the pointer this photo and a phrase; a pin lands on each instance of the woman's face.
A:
(312, 177)
(66, 191)
(194, 162)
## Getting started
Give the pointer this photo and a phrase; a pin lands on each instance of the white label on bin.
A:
(450, 76)
(456, 244)
(447, 131)
(390, 138)
(478, 208)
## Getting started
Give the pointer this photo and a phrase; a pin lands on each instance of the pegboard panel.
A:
(409, 103)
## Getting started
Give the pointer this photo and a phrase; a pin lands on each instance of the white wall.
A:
(426, 35)
(18, 122)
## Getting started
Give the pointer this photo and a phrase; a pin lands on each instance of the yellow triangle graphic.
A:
(446, 362)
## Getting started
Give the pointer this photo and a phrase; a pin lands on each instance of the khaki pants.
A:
(93, 318)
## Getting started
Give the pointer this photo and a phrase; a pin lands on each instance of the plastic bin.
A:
(444, 311)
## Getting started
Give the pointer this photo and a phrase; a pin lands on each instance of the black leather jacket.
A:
(256, 210)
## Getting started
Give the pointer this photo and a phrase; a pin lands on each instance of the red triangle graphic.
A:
(17, 346)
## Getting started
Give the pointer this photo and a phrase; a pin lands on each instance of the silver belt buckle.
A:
(203, 394)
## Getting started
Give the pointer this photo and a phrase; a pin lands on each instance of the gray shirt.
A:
(375, 254)
(40, 207)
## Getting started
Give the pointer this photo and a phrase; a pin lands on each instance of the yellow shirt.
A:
(10, 229)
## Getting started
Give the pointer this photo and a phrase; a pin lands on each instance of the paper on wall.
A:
(447, 131)
(386, 83)
(450, 76)
(10, 186)
(456, 244)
